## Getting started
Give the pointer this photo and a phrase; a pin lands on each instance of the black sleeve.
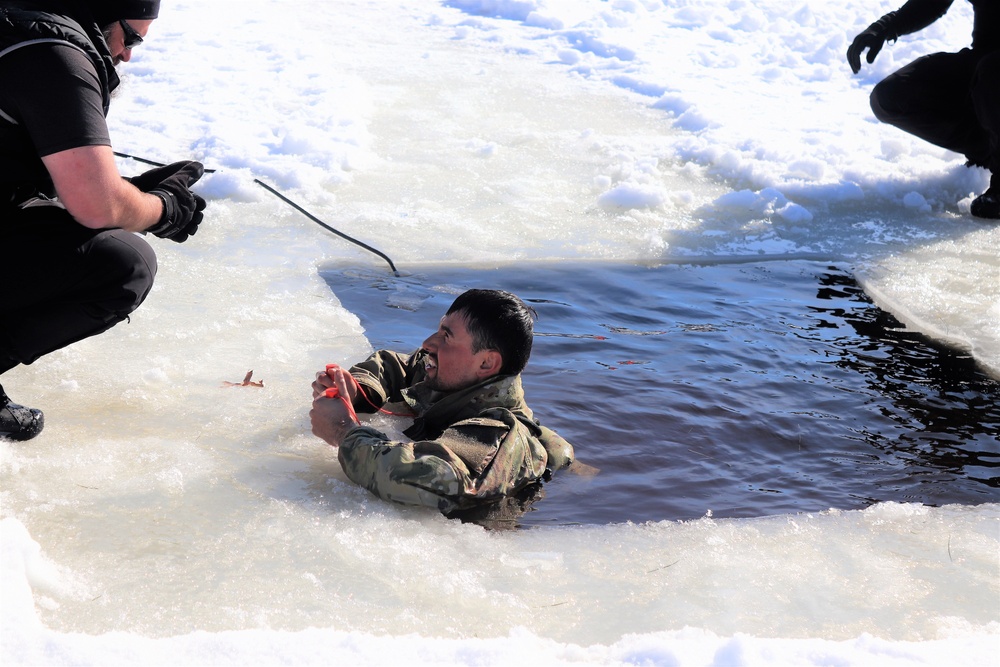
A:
(53, 92)
(986, 31)
(913, 16)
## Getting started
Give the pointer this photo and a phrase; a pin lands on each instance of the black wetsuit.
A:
(60, 282)
(949, 99)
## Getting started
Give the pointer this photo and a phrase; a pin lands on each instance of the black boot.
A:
(18, 422)
(987, 205)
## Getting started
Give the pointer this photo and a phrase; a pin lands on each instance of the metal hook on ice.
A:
(293, 205)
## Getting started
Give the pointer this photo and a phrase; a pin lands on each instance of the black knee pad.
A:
(125, 267)
(879, 94)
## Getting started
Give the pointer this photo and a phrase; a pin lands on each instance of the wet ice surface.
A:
(736, 389)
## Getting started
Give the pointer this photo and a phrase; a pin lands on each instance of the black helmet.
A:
(107, 12)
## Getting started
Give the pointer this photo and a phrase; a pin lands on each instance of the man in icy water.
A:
(949, 99)
(474, 441)
(70, 265)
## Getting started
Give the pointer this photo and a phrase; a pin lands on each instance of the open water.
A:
(730, 389)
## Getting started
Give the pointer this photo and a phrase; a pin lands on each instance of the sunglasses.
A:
(131, 39)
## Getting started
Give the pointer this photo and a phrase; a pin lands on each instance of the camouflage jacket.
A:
(468, 448)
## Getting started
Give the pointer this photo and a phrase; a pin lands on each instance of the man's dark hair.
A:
(498, 320)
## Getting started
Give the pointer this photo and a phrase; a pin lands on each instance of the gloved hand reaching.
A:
(873, 38)
(182, 209)
(148, 180)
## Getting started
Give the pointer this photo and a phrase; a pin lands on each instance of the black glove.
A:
(148, 180)
(873, 38)
(182, 209)
(182, 213)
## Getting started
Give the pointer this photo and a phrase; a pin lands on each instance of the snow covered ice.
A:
(161, 520)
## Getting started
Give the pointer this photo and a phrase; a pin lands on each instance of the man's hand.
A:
(335, 376)
(872, 39)
(188, 170)
(886, 28)
(182, 209)
(332, 418)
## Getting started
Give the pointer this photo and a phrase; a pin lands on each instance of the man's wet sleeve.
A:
(392, 471)
(383, 376)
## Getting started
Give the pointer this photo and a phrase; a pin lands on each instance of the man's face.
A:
(116, 39)
(451, 364)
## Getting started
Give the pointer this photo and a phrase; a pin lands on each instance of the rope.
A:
(326, 226)
(293, 205)
(333, 392)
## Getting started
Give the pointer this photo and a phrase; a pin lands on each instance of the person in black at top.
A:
(949, 99)
(70, 265)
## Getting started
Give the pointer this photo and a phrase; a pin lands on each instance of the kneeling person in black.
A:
(949, 99)
(71, 265)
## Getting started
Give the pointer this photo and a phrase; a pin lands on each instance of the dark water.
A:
(740, 389)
